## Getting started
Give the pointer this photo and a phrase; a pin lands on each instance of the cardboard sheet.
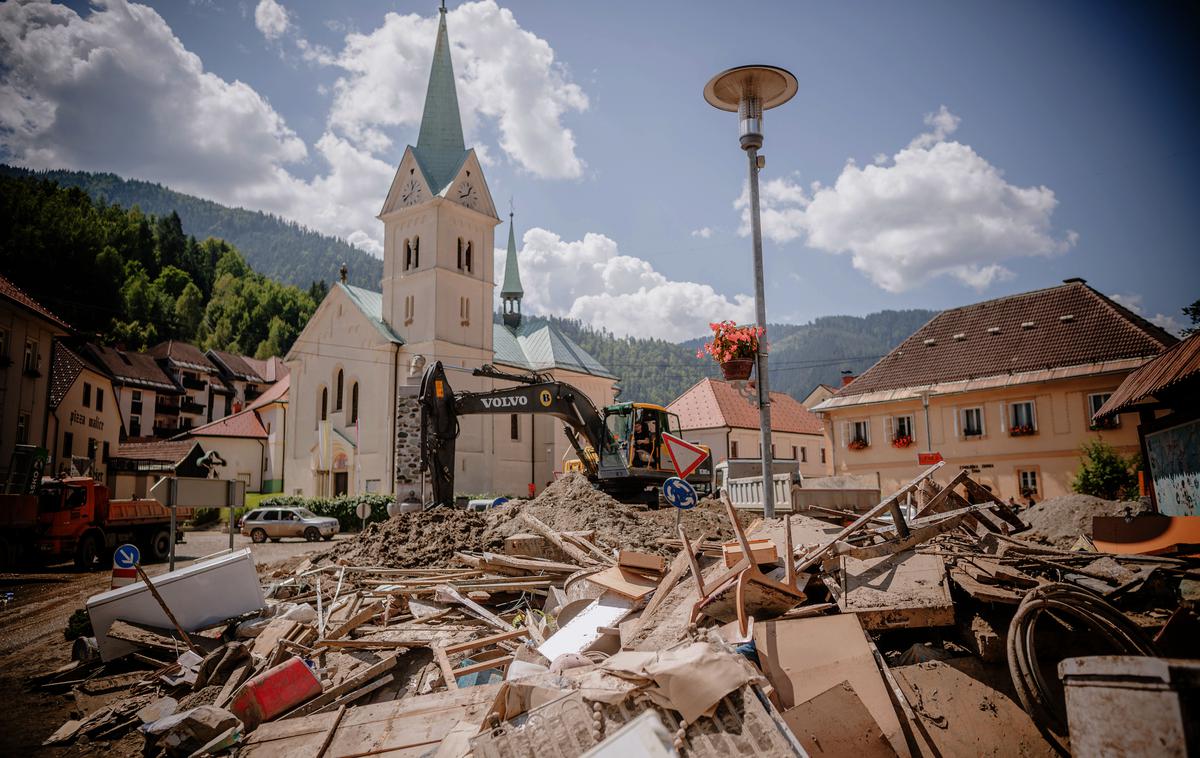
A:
(690, 679)
(582, 630)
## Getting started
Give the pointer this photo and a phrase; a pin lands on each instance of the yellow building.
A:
(1005, 388)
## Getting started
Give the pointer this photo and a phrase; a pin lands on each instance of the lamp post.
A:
(750, 90)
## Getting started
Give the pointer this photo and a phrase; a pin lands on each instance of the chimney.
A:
(847, 378)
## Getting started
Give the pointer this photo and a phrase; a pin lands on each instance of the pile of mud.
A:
(1060, 521)
(572, 504)
(415, 540)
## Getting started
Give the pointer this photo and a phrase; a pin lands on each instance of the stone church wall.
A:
(408, 441)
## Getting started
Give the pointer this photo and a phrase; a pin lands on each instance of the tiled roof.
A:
(276, 393)
(167, 451)
(183, 354)
(15, 294)
(237, 366)
(65, 368)
(539, 346)
(1159, 376)
(132, 369)
(712, 404)
(371, 305)
(242, 424)
(1068, 325)
(272, 369)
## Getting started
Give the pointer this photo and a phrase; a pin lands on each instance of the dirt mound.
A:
(572, 504)
(413, 540)
(1060, 520)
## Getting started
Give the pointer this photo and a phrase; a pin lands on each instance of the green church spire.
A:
(440, 147)
(512, 292)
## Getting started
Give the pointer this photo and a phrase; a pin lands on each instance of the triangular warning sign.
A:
(684, 455)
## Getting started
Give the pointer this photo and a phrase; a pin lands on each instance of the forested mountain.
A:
(802, 356)
(282, 250)
(121, 276)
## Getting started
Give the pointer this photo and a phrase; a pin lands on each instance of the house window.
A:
(135, 402)
(822, 455)
(860, 435)
(1096, 401)
(1021, 418)
(353, 403)
(337, 394)
(902, 431)
(733, 450)
(30, 364)
(87, 395)
(99, 399)
(91, 451)
(972, 422)
(68, 445)
(3, 343)
(795, 453)
(514, 427)
(104, 455)
(22, 428)
(804, 455)
(135, 426)
(1027, 481)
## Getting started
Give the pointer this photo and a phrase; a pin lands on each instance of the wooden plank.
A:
(443, 662)
(625, 582)
(272, 633)
(122, 630)
(678, 566)
(905, 590)
(357, 694)
(494, 663)
(485, 641)
(591, 547)
(332, 731)
(938, 501)
(368, 644)
(763, 550)
(645, 561)
(357, 620)
(813, 557)
(555, 539)
(447, 594)
(920, 532)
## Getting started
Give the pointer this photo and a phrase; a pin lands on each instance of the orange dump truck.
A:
(74, 519)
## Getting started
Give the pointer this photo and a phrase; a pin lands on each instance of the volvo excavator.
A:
(620, 449)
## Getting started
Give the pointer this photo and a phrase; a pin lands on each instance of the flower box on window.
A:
(1108, 422)
(1022, 430)
(858, 443)
(902, 441)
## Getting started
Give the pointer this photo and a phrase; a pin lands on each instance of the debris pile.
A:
(1059, 521)
(570, 623)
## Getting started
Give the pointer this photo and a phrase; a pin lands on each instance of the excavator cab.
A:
(634, 437)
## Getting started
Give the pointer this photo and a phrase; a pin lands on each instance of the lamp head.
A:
(750, 90)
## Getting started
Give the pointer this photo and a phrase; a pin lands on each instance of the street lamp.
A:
(750, 90)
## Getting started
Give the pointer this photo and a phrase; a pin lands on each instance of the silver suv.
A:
(274, 524)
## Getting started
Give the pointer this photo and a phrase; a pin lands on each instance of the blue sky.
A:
(995, 148)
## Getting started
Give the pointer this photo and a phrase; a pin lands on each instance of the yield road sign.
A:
(680, 494)
(685, 456)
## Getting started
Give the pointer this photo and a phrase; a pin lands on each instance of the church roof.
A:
(371, 305)
(440, 149)
(539, 346)
(512, 273)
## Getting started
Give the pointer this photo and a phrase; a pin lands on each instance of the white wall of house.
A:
(23, 382)
(91, 428)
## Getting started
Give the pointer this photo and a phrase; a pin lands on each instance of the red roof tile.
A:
(18, 296)
(169, 451)
(134, 369)
(275, 393)
(183, 354)
(711, 404)
(242, 424)
(1068, 325)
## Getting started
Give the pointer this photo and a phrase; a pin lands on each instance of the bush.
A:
(342, 508)
(1105, 473)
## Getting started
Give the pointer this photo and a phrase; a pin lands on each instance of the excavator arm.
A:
(441, 407)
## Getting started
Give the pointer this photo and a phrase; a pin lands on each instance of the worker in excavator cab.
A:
(643, 444)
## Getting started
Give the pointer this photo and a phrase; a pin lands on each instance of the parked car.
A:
(262, 524)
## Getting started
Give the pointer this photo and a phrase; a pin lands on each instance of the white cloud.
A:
(271, 18)
(936, 208)
(703, 232)
(504, 74)
(1134, 302)
(590, 280)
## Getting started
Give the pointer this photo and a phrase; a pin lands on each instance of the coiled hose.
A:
(1091, 611)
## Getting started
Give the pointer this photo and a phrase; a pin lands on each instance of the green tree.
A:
(1105, 473)
(1193, 313)
(189, 309)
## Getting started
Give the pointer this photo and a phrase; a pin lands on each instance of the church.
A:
(352, 423)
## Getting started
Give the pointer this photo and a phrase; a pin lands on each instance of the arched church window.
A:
(337, 394)
(416, 248)
(408, 255)
(467, 258)
(460, 253)
(354, 403)
(323, 405)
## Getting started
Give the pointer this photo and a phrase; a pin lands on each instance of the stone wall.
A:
(408, 440)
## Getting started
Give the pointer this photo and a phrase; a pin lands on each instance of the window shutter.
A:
(845, 433)
(891, 428)
(1003, 417)
(1033, 413)
(957, 413)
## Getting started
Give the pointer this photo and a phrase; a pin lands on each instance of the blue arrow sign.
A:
(126, 556)
(680, 494)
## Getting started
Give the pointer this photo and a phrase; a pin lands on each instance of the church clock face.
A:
(411, 192)
(468, 195)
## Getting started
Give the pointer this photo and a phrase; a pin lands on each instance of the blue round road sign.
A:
(126, 556)
(680, 494)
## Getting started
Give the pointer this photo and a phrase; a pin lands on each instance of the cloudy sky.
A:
(937, 153)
